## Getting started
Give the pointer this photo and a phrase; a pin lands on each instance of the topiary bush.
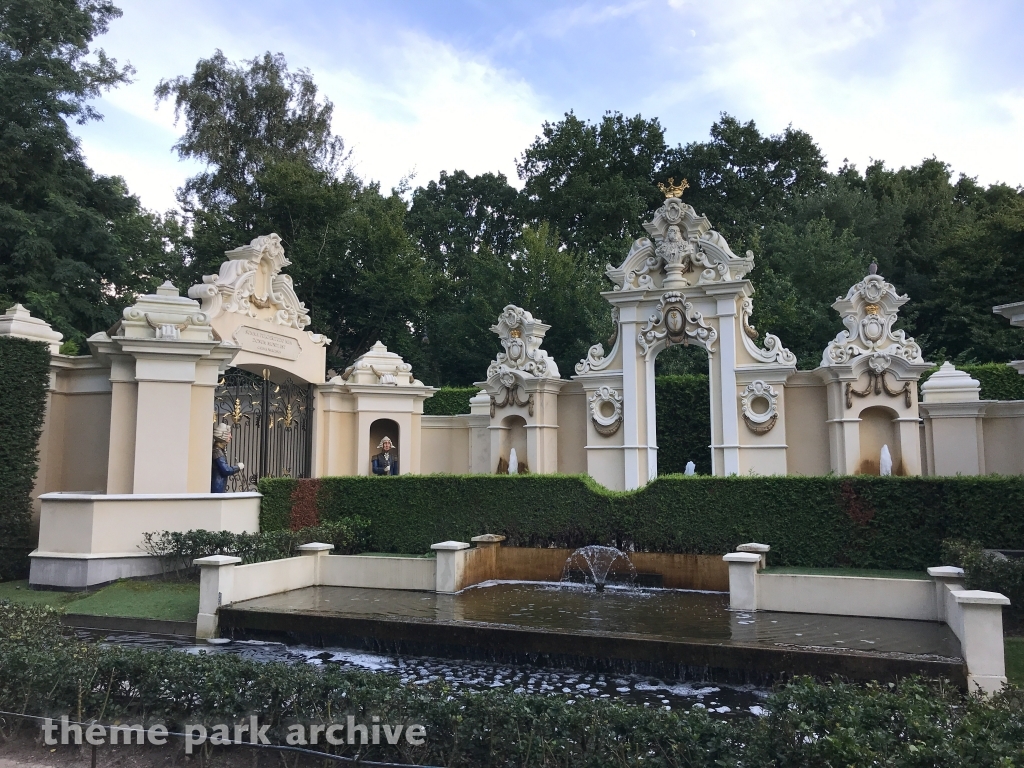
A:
(449, 401)
(858, 522)
(25, 373)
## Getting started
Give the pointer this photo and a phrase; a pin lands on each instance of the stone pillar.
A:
(216, 580)
(316, 550)
(451, 565)
(743, 568)
(946, 578)
(981, 639)
(953, 421)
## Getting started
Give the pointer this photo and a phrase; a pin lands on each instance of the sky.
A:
(421, 86)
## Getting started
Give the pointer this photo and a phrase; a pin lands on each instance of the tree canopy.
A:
(427, 270)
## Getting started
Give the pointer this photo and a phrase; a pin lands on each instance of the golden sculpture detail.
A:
(672, 189)
(236, 412)
(872, 309)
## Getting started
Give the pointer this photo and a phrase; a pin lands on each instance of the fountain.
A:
(597, 564)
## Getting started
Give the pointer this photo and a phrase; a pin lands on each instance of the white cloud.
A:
(866, 81)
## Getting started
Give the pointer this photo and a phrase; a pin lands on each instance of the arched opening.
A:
(683, 409)
(877, 428)
(380, 429)
(513, 435)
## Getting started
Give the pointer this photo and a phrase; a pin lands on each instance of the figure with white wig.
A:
(385, 462)
(221, 470)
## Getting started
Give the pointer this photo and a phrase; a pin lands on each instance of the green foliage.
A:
(449, 401)
(820, 522)
(25, 372)
(48, 672)
(991, 572)
(178, 549)
(683, 411)
(998, 381)
(74, 246)
(274, 165)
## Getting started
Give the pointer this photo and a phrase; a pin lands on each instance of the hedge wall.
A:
(683, 412)
(861, 522)
(25, 372)
(449, 401)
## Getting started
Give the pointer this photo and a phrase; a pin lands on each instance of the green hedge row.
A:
(862, 522)
(449, 401)
(998, 381)
(25, 374)
(48, 673)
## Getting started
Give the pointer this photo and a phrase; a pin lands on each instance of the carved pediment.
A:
(251, 283)
(521, 336)
(869, 310)
(682, 250)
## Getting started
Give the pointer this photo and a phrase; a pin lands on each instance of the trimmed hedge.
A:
(821, 522)
(683, 412)
(449, 401)
(49, 673)
(25, 373)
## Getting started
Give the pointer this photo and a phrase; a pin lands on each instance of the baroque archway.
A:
(684, 285)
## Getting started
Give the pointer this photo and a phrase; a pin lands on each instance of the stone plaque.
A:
(267, 343)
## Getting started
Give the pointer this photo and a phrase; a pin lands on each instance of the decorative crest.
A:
(672, 189)
(521, 336)
(676, 320)
(869, 310)
(250, 283)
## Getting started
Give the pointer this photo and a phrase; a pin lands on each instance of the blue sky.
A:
(421, 87)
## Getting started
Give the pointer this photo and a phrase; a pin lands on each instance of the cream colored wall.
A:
(378, 572)
(572, 429)
(86, 441)
(445, 445)
(272, 577)
(847, 596)
(114, 525)
(1003, 430)
(806, 430)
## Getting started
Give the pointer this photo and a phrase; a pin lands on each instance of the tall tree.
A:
(595, 182)
(273, 164)
(74, 246)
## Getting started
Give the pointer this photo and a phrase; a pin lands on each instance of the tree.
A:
(274, 165)
(595, 182)
(74, 246)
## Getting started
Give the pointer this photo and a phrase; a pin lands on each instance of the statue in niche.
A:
(385, 462)
(221, 470)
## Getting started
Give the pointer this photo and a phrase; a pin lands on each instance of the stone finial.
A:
(17, 321)
(166, 315)
(379, 367)
(1012, 312)
(948, 385)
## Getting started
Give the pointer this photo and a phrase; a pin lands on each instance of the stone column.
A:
(743, 567)
(216, 580)
(451, 565)
(316, 550)
(953, 411)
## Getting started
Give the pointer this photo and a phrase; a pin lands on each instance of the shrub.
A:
(915, 723)
(25, 373)
(860, 522)
(991, 572)
(683, 412)
(449, 401)
(998, 380)
(178, 549)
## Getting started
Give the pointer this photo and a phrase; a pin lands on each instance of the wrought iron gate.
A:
(271, 427)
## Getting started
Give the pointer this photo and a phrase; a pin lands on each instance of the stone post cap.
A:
(754, 547)
(742, 557)
(488, 538)
(980, 597)
(18, 321)
(449, 546)
(215, 561)
(314, 547)
(946, 572)
(948, 385)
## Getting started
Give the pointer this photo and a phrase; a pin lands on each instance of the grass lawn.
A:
(1015, 660)
(869, 572)
(168, 600)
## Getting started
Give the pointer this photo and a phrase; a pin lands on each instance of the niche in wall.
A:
(513, 435)
(878, 427)
(380, 428)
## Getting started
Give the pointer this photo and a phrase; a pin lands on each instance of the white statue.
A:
(691, 468)
(513, 463)
(885, 462)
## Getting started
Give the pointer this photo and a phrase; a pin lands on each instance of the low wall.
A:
(415, 573)
(90, 539)
(850, 595)
(271, 578)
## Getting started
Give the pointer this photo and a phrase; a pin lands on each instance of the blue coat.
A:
(221, 471)
(380, 466)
